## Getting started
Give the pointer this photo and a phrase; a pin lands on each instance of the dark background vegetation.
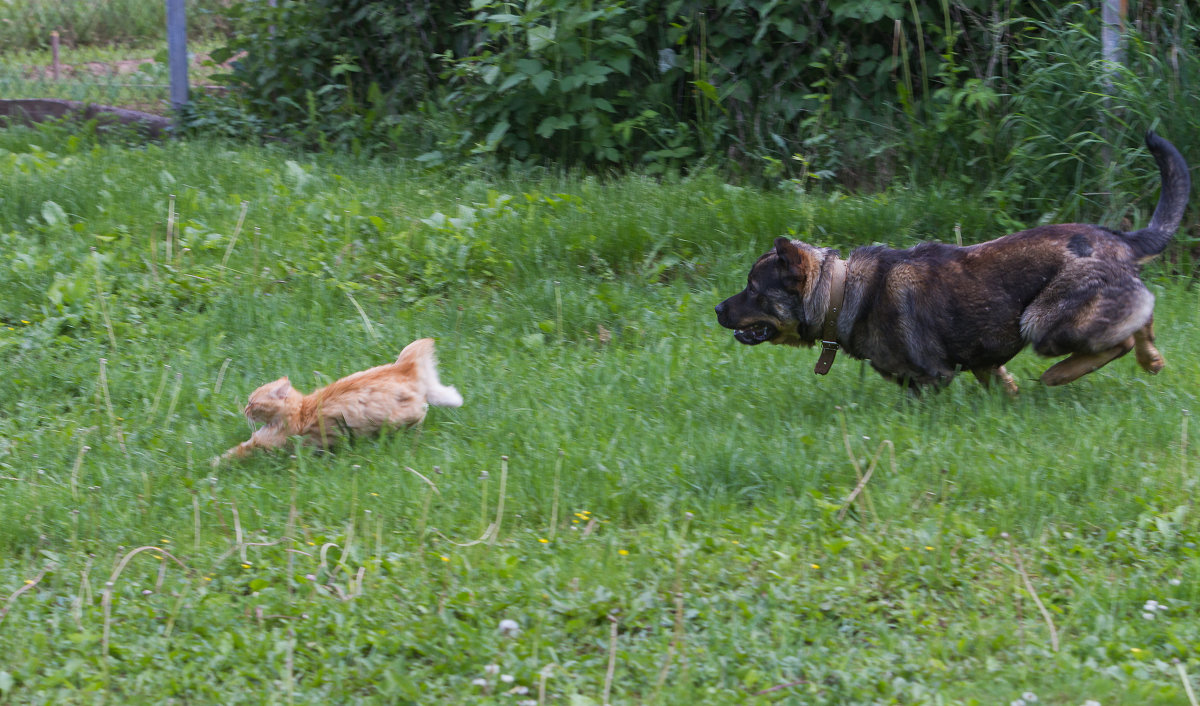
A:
(1009, 99)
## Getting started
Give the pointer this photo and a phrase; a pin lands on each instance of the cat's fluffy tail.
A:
(420, 353)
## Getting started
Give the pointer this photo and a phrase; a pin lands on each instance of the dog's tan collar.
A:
(829, 342)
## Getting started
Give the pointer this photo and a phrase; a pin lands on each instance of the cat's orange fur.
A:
(392, 395)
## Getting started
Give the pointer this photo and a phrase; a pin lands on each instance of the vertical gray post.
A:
(1111, 40)
(177, 58)
(1112, 47)
(56, 65)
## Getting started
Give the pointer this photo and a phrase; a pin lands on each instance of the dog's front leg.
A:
(986, 375)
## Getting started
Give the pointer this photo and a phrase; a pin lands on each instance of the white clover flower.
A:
(1029, 697)
(509, 627)
(491, 669)
(479, 682)
(1017, 702)
(520, 690)
(1173, 582)
(1091, 702)
(507, 678)
(1150, 607)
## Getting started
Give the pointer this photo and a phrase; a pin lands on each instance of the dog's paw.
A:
(1151, 363)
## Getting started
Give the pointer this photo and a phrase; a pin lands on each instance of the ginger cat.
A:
(392, 395)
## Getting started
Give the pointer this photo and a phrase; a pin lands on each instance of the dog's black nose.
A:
(720, 308)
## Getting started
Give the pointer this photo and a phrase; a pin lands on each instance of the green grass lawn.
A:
(660, 510)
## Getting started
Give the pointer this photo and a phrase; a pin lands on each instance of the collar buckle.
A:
(829, 351)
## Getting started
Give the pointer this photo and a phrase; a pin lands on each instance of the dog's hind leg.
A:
(1143, 348)
(1077, 365)
(986, 375)
(1094, 311)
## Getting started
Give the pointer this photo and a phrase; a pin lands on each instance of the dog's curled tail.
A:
(1176, 186)
(420, 354)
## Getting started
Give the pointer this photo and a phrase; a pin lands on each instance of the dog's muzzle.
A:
(754, 335)
(750, 335)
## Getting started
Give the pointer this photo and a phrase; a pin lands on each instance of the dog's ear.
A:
(795, 261)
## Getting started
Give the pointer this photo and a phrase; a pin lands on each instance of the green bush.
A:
(781, 90)
(336, 72)
(791, 88)
(1005, 100)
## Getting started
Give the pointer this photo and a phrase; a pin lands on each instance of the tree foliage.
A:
(786, 88)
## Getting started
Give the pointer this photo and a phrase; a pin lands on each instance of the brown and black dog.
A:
(923, 314)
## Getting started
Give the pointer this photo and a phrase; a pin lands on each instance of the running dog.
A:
(923, 314)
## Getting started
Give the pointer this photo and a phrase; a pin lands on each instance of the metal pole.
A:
(1112, 47)
(57, 67)
(1113, 14)
(177, 58)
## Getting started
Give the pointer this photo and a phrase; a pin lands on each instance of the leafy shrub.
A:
(785, 89)
(844, 91)
(661, 84)
(336, 72)
(557, 82)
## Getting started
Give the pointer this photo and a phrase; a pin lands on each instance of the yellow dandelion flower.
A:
(1135, 650)
(312, 544)
(375, 494)
(24, 321)
(245, 566)
(623, 552)
(208, 578)
(815, 566)
(734, 541)
(28, 581)
(928, 548)
(543, 541)
(445, 558)
(164, 541)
